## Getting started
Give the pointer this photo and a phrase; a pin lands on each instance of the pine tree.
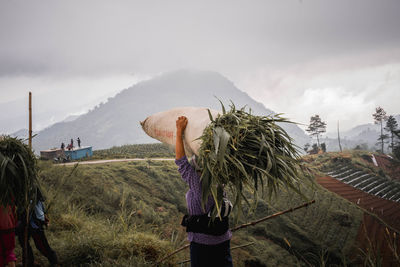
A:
(396, 148)
(314, 149)
(379, 118)
(323, 147)
(316, 127)
(306, 147)
(391, 127)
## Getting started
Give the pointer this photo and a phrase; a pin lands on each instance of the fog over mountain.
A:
(339, 59)
(365, 136)
(116, 122)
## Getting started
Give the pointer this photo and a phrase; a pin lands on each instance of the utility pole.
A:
(25, 246)
(338, 136)
(30, 120)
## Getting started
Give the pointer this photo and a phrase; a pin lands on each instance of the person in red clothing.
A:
(7, 236)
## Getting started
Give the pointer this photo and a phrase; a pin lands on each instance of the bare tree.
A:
(379, 118)
(338, 137)
(316, 127)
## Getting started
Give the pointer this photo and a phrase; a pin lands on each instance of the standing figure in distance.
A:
(79, 142)
(206, 250)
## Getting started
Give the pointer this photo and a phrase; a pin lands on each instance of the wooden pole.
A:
(246, 225)
(338, 136)
(272, 216)
(25, 247)
(30, 120)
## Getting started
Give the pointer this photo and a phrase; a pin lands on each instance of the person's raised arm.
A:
(181, 123)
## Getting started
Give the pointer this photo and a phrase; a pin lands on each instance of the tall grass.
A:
(128, 214)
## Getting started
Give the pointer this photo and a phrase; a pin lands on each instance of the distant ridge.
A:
(364, 136)
(116, 122)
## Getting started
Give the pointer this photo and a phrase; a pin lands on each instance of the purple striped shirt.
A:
(193, 200)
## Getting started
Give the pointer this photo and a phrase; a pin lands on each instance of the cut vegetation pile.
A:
(240, 150)
(18, 173)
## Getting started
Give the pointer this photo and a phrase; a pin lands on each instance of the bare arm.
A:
(181, 123)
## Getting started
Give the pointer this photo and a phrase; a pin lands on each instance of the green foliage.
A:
(396, 152)
(134, 151)
(306, 147)
(18, 173)
(391, 127)
(314, 149)
(114, 214)
(379, 117)
(316, 127)
(329, 226)
(323, 147)
(128, 214)
(391, 124)
(363, 146)
(245, 152)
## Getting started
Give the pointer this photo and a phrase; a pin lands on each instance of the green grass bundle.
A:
(240, 150)
(18, 173)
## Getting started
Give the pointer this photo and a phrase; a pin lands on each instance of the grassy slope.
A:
(135, 151)
(358, 158)
(129, 214)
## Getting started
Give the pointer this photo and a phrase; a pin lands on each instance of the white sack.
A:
(162, 126)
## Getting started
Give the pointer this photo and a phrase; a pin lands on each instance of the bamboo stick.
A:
(246, 225)
(271, 216)
(25, 247)
(30, 120)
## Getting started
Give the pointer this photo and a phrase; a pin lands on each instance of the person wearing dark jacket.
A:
(37, 221)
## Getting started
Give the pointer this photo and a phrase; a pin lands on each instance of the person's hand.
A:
(181, 123)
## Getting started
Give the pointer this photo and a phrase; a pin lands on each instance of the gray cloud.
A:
(89, 37)
(280, 52)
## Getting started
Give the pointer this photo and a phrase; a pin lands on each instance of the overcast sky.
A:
(339, 59)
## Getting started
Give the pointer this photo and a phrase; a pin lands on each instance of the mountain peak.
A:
(116, 122)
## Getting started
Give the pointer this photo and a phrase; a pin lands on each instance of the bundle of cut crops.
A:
(18, 173)
(236, 151)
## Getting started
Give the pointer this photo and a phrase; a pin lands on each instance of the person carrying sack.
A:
(209, 240)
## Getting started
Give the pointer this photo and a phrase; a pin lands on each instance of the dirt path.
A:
(114, 160)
